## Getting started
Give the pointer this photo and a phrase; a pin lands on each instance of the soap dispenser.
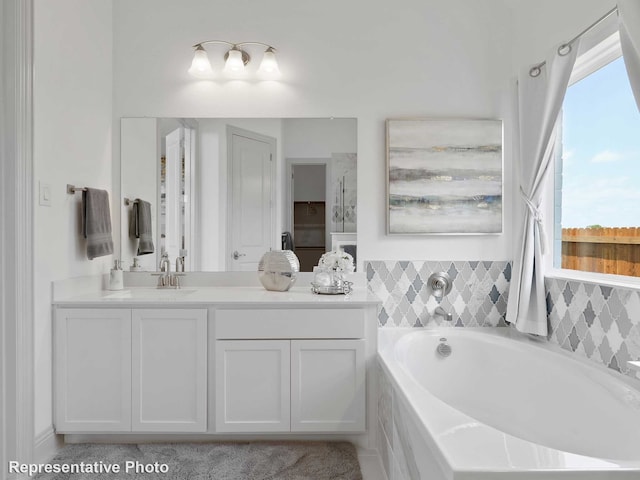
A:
(136, 267)
(116, 280)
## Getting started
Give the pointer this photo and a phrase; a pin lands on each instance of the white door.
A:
(174, 142)
(92, 370)
(169, 370)
(327, 386)
(251, 210)
(252, 385)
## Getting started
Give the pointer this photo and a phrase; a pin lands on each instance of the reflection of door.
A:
(251, 219)
(173, 193)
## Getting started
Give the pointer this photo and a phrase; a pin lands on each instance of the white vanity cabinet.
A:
(327, 385)
(213, 362)
(290, 370)
(130, 370)
(92, 370)
(169, 370)
(252, 385)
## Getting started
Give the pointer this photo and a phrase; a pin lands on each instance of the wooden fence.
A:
(603, 250)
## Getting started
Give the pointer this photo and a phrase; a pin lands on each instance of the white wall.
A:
(371, 61)
(140, 165)
(319, 137)
(72, 144)
(310, 183)
(541, 26)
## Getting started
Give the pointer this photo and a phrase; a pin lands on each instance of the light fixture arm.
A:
(233, 45)
(219, 42)
(269, 47)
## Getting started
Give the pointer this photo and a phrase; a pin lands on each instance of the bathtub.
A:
(503, 406)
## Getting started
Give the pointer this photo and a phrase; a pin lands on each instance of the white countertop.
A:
(237, 296)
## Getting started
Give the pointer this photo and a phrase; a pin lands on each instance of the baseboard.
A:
(46, 444)
(359, 440)
(371, 465)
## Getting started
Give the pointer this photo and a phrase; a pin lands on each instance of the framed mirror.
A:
(219, 192)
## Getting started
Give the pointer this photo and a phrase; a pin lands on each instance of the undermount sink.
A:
(150, 293)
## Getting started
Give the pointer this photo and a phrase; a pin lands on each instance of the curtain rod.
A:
(565, 48)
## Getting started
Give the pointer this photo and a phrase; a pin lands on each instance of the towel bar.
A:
(71, 189)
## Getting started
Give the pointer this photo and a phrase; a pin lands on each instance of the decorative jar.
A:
(278, 270)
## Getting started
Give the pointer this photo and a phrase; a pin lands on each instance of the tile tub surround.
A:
(404, 452)
(595, 321)
(478, 295)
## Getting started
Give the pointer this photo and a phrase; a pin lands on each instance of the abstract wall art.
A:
(444, 176)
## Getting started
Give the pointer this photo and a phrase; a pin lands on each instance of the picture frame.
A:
(444, 176)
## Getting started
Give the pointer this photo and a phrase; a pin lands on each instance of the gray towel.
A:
(287, 241)
(96, 222)
(142, 226)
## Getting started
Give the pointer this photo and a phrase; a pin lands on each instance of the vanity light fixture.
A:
(236, 59)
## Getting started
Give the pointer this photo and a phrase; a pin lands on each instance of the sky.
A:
(601, 151)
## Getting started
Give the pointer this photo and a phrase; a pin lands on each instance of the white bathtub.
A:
(505, 406)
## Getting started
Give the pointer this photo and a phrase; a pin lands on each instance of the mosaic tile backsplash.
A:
(594, 321)
(598, 322)
(478, 296)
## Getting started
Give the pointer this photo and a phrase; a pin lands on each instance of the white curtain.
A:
(539, 103)
(629, 16)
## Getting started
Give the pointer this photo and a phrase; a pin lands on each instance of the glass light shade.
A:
(200, 66)
(234, 63)
(269, 64)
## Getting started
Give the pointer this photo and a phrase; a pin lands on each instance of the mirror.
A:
(220, 192)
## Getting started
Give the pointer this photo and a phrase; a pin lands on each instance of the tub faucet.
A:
(440, 311)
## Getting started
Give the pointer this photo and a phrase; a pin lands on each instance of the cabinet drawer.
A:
(289, 323)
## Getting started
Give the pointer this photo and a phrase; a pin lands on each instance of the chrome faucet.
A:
(179, 264)
(440, 311)
(165, 278)
(165, 264)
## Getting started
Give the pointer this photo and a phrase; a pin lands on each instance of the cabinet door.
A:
(327, 386)
(169, 370)
(252, 385)
(92, 370)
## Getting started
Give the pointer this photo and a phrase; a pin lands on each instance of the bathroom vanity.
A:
(213, 361)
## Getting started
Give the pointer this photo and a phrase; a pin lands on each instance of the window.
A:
(597, 194)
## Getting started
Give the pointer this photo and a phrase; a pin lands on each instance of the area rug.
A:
(207, 461)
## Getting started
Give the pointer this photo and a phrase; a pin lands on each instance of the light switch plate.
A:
(45, 194)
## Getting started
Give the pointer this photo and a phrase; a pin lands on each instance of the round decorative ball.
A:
(278, 270)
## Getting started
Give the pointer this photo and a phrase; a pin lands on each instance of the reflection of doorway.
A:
(308, 191)
(175, 208)
(250, 219)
